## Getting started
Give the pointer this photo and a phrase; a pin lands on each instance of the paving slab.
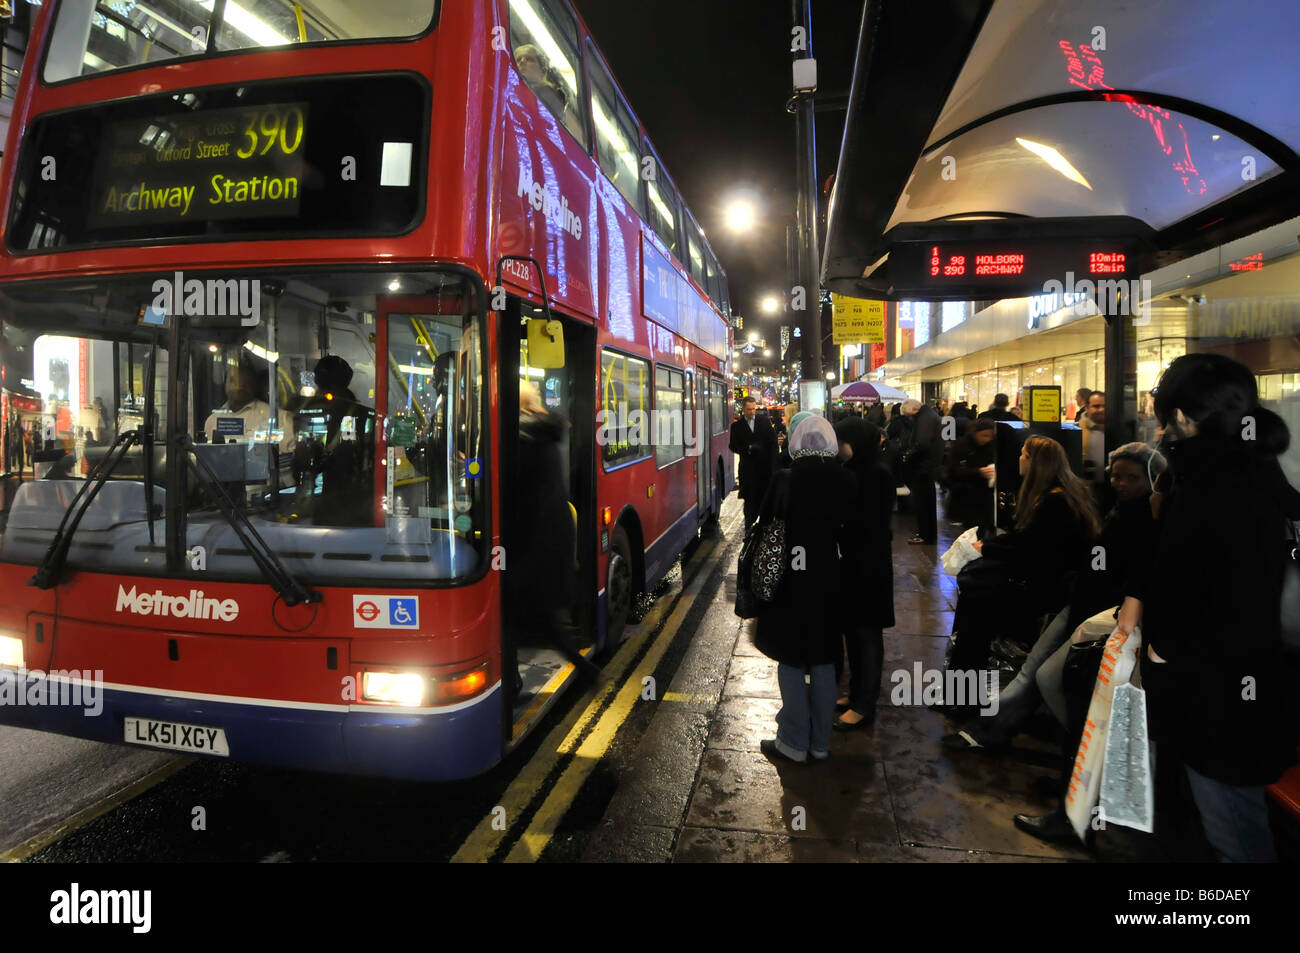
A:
(843, 799)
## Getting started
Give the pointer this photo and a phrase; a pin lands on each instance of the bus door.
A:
(564, 384)
(702, 430)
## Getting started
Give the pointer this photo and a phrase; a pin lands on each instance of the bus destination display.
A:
(960, 268)
(241, 163)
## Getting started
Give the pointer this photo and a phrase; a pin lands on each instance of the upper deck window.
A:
(663, 205)
(97, 36)
(544, 38)
(616, 134)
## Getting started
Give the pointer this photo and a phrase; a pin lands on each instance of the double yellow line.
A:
(484, 841)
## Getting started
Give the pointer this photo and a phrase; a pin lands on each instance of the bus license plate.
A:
(169, 734)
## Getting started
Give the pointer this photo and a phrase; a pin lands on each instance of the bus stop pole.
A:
(806, 205)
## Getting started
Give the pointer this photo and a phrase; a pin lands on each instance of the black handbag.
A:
(746, 604)
(769, 561)
(1291, 591)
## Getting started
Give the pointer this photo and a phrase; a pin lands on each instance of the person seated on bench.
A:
(1022, 575)
(1125, 535)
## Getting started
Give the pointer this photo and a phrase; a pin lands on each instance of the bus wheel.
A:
(618, 588)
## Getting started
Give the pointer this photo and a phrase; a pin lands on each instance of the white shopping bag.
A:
(1118, 663)
(1127, 790)
(960, 552)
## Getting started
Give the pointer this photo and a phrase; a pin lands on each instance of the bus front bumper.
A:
(426, 744)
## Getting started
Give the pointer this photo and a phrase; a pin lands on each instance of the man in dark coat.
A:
(970, 467)
(924, 454)
(999, 409)
(754, 441)
(541, 579)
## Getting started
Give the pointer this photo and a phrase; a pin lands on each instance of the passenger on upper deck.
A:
(540, 78)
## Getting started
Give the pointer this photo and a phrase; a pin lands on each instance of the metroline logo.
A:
(193, 606)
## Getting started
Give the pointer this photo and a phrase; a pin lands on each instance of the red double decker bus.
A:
(274, 270)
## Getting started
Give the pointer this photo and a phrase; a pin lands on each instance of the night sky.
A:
(709, 80)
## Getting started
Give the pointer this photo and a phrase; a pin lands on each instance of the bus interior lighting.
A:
(252, 27)
(11, 652)
(393, 688)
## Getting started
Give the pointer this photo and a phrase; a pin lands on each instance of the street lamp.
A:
(767, 352)
(740, 215)
(770, 305)
(830, 375)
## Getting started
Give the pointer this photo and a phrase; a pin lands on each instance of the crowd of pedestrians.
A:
(1182, 542)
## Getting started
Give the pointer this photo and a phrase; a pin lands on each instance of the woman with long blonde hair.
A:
(1046, 469)
(1024, 574)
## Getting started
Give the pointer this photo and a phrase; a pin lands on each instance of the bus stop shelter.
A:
(992, 146)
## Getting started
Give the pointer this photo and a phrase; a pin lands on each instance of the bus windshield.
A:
(97, 36)
(341, 414)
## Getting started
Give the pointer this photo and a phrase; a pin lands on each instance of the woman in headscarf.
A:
(800, 630)
(867, 563)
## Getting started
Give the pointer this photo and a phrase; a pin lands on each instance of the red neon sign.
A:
(1107, 263)
(948, 265)
(1085, 70)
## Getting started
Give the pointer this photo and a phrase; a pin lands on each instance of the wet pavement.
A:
(702, 791)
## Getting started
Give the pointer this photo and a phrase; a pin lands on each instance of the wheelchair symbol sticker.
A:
(403, 612)
(385, 612)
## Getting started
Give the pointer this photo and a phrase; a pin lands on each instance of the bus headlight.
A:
(393, 688)
(11, 651)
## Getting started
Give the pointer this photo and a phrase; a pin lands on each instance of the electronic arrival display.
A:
(227, 163)
(304, 157)
(976, 268)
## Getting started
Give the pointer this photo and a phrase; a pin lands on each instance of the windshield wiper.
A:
(50, 570)
(273, 568)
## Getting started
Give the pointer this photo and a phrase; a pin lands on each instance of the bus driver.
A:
(245, 417)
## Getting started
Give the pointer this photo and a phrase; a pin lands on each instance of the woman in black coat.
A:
(1209, 604)
(800, 630)
(867, 566)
